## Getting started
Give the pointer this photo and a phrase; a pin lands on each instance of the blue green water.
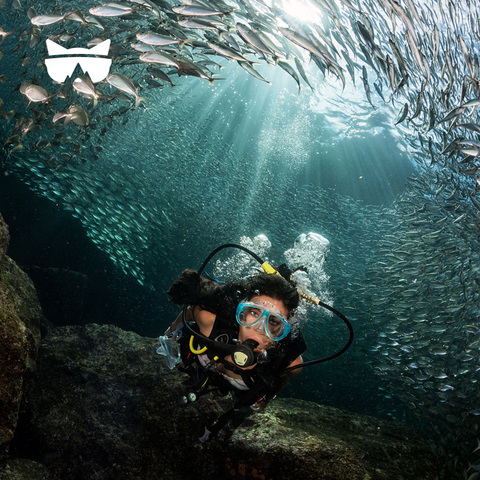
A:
(153, 190)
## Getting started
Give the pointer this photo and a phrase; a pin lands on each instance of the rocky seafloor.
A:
(96, 402)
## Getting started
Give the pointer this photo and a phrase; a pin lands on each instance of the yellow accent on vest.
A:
(268, 268)
(196, 352)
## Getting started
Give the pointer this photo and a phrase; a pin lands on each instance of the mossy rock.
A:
(105, 406)
(4, 238)
(24, 469)
(20, 316)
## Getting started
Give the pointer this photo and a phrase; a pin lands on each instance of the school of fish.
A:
(414, 271)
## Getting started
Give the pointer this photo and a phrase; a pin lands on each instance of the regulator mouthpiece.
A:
(244, 354)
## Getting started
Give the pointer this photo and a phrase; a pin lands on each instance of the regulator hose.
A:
(308, 298)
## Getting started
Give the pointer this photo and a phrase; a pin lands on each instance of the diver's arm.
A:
(291, 374)
(175, 324)
(203, 318)
(260, 406)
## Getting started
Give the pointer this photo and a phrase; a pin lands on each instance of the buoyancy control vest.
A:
(226, 330)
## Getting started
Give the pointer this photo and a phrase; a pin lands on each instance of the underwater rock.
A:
(23, 469)
(106, 407)
(4, 237)
(20, 317)
(321, 442)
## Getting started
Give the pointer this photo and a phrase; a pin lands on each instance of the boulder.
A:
(4, 237)
(24, 469)
(105, 407)
(20, 317)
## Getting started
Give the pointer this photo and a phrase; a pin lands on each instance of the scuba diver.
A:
(241, 337)
(254, 319)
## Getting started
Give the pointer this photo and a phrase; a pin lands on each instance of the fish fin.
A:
(212, 80)
(140, 99)
(58, 116)
(181, 43)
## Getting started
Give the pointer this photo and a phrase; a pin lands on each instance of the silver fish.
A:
(124, 84)
(152, 38)
(227, 52)
(108, 10)
(35, 93)
(403, 115)
(160, 74)
(250, 70)
(198, 23)
(84, 85)
(253, 40)
(159, 57)
(43, 20)
(290, 70)
(197, 11)
(367, 86)
(74, 114)
(4, 34)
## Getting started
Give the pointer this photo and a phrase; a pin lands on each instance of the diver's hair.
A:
(189, 288)
(192, 289)
(274, 286)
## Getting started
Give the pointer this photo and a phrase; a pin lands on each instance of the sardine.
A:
(43, 20)
(124, 84)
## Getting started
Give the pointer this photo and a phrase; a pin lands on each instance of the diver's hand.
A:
(259, 406)
(262, 404)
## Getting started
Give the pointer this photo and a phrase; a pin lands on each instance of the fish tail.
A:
(211, 80)
(58, 116)
(105, 97)
(139, 99)
(181, 43)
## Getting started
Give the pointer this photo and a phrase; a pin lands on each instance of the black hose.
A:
(324, 305)
(335, 355)
(229, 245)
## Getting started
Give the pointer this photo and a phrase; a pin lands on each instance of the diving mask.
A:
(265, 315)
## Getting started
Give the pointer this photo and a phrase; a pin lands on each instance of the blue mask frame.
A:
(271, 321)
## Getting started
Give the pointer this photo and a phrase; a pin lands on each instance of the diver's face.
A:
(257, 331)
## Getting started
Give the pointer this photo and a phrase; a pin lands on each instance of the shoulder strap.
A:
(224, 330)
